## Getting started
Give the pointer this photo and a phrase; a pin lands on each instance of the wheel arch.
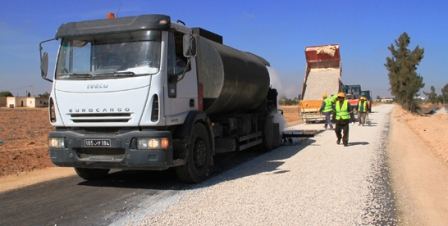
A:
(192, 118)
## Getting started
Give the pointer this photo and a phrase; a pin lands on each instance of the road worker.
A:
(342, 112)
(362, 110)
(334, 97)
(327, 109)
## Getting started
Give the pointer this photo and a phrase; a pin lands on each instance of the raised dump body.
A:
(322, 81)
(323, 76)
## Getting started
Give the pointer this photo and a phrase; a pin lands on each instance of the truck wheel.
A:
(199, 158)
(91, 174)
(271, 135)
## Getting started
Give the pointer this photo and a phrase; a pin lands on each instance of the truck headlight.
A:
(56, 142)
(152, 143)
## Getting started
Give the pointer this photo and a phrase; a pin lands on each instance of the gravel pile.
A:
(314, 183)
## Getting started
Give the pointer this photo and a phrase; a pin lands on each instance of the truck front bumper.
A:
(121, 153)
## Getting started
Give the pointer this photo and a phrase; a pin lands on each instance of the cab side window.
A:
(176, 60)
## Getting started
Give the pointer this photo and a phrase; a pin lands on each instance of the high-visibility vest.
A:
(328, 105)
(342, 111)
(362, 106)
(334, 97)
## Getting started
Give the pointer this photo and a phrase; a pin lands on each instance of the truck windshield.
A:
(110, 56)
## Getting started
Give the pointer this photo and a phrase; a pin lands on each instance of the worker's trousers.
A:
(342, 126)
(362, 118)
(328, 119)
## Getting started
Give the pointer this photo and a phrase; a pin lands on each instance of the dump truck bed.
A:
(323, 76)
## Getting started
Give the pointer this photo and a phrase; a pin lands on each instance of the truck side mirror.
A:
(44, 65)
(44, 60)
(189, 45)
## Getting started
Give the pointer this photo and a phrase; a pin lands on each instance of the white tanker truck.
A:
(145, 93)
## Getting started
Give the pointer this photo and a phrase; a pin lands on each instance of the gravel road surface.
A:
(312, 182)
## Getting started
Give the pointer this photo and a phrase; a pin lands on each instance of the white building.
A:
(31, 102)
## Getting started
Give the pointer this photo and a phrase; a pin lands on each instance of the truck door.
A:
(182, 88)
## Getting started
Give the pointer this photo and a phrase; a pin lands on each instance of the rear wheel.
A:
(271, 134)
(199, 157)
(91, 174)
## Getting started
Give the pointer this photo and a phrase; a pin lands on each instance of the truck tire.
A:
(271, 135)
(268, 135)
(199, 157)
(91, 174)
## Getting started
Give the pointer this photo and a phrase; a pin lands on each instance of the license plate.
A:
(97, 143)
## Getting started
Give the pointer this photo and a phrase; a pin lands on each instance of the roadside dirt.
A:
(23, 135)
(432, 129)
(291, 114)
(24, 179)
(418, 152)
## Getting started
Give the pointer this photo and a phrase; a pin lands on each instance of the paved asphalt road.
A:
(73, 201)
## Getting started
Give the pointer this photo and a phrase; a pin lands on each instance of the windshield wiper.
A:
(116, 74)
(123, 73)
(78, 75)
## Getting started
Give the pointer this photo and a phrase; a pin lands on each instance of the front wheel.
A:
(91, 174)
(199, 157)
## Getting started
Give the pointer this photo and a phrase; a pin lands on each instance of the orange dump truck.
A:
(322, 76)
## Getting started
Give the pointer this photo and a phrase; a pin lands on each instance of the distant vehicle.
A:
(353, 93)
(322, 76)
(146, 93)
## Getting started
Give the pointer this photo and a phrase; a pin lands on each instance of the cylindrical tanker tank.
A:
(233, 81)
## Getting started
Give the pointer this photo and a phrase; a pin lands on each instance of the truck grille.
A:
(100, 117)
(101, 153)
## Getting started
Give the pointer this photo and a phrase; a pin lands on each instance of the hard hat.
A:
(324, 95)
(341, 94)
(363, 98)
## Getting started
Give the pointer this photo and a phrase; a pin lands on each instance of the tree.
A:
(432, 95)
(440, 99)
(445, 94)
(6, 94)
(404, 80)
(288, 101)
(45, 95)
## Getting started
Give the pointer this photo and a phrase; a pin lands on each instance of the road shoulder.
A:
(418, 177)
(24, 179)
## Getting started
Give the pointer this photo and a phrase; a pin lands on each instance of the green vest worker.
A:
(362, 105)
(334, 97)
(327, 108)
(362, 110)
(342, 111)
(328, 105)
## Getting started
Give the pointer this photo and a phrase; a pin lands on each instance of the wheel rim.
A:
(200, 153)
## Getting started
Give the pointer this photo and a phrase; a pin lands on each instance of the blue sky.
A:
(276, 30)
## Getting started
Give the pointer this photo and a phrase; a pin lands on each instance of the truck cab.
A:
(126, 94)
